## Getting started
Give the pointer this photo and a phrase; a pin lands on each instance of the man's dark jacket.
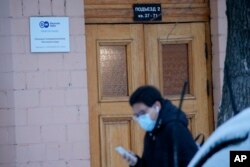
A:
(169, 137)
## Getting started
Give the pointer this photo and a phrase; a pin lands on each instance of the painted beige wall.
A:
(43, 97)
(219, 38)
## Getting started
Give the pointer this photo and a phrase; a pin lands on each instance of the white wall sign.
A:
(49, 34)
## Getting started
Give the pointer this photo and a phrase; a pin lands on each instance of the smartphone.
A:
(121, 150)
(130, 157)
(124, 152)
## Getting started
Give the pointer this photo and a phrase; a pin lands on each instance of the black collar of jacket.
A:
(167, 114)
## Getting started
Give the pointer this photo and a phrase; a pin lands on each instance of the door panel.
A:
(115, 65)
(114, 131)
(179, 52)
(121, 58)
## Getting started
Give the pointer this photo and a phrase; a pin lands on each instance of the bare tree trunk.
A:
(236, 86)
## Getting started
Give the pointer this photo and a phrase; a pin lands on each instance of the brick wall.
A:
(43, 96)
(219, 39)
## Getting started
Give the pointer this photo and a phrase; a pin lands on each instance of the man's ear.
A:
(157, 105)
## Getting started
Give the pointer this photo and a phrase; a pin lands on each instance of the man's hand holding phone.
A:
(129, 156)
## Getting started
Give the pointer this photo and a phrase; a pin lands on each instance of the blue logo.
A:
(44, 24)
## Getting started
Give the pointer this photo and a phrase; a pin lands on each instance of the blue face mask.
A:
(146, 122)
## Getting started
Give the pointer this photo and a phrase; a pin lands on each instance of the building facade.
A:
(44, 111)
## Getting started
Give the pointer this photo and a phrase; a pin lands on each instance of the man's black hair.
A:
(146, 94)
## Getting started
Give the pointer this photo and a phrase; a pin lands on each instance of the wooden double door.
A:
(122, 57)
